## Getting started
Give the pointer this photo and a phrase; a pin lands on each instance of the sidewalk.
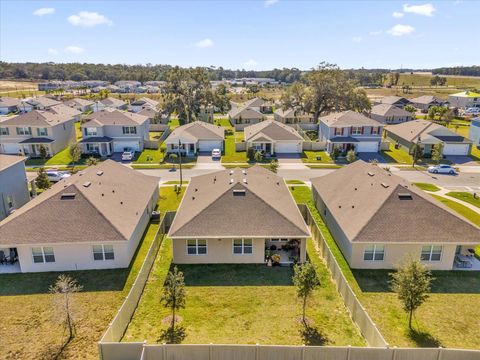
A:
(443, 192)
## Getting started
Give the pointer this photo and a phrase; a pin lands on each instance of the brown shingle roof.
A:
(245, 113)
(272, 130)
(348, 118)
(199, 130)
(426, 99)
(9, 160)
(9, 102)
(41, 117)
(104, 208)
(79, 101)
(43, 101)
(113, 102)
(412, 130)
(265, 209)
(389, 110)
(364, 200)
(116, 117)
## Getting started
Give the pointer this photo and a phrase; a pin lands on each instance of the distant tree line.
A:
(458, 70)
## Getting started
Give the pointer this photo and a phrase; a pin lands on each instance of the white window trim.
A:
(103, 253)
(196, 247)
(43, 255)
(374, 253)
(243, 246)
(356, 130)
(430, 254)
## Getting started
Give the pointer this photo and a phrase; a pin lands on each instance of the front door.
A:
(268, 148)
(191, 148)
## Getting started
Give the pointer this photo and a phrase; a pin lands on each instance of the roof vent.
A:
(231, 181)
(67, 196)
(100, 173)
(339, 206)
(214, 179)
(121, 202)
(385, 185)
(239, 192)
(244, 172)
(245, 181)
(193, 197)
(356, 189)
(371, 173)
(353, 206)
(405, 196)
(87, 184)
(231, 172)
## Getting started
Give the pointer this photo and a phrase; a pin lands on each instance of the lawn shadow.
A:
(423, 339)
(235, 275)
(173, 335)
(312, 336)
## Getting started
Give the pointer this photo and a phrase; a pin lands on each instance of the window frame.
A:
(42, 131)
(431, 253)
(103, 252)
(374, 252)
(91, 131)
(196, 247)
(129, 130)
(44, 254)
(21, 130)
(242, 246)
(4, 131)
(356, 130)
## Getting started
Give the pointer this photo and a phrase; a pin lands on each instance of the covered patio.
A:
(343, 144)
(285, 252)
(31, 147)
(97, 145)
(186, 149)
(465, 259)
(9, 261)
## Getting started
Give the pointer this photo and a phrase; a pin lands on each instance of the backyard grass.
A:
(316, 157)
(169, 199)
(427, 187)
(61, 158)
(155, 135)
(295, 182)
(173, 123)
(465, 196)
(397, 155)
(467, 213)
(239, 136)
(230, 155)
(78, 131)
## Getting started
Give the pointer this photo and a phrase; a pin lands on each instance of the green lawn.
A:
(155, 135)
(316, 157)
(61, 158)
(151, 156)
(169, 199)
(469, 214)
(397, 155)
(230, 155)
(295, 182)
(427, 187)
(239, 136)
(78, 131)
(173, 123)
(465, 196)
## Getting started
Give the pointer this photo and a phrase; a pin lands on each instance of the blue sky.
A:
(256, 34)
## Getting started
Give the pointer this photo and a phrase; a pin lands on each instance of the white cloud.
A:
(43, 11)
(397, 14)
(250, 64)
(425, 9)
(269, 3)
(205, 43)
(72, 49)
(52, 52)
(357, 39)
(400, 30)
(375, 33)
(88, 19)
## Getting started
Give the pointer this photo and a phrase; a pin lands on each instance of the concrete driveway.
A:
(367, 157)
(290, 161)
(461, 160)
(205, 161)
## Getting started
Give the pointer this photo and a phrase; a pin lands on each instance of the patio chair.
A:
(3, 259)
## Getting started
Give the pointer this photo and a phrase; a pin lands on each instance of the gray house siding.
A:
(14, 185)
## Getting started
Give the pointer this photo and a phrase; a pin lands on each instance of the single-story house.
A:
(39, 103)
(110, 103)
(427, 134)
(464, 99)
(292, 116)
(425, 102)
(14, 184)
(238, 216)
(240, 117)
(378, 219)
(397, 101)
(258, 104)
(80, 104)
(90, 220)
(390, 114)
(194, 137)
(273, 137)
(474, 133)
(142, 103)
(9, 105)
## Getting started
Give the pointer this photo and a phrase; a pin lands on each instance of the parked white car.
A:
(472, 111)
(216, 153)
(128, 155)
(55, 175)
(441, 169)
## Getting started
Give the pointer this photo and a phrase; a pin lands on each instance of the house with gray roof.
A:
(40, 103)
(194, 137)
(390, 114)
(240, 117)
(110, 103)
(425, 102)
(238, 216)
(378, 219)
(272, 137)
(427, 134)
(350, 130)
(90, 220)
(79, 104)
(9, 105)
(397, 101)
(107, 131)
(143, 103)
(295, 117)
(26, 133)
(14, 185)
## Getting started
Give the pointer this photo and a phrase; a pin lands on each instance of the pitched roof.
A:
(255, 102)
(291, 112)
(245, 113)
(102, 209)
(148, 112)
(389, 110)
(9, 102)
(372, 205)
(113, 102)
(426, 99)
(348, 118)
(393, 99)
(238, 203)
(43, 101)
(145, 101)
(273, 130)
(415, 130)
(40, 118)
(64, 110)
(79, 102)
(115, 117)
(199, 130)
(9, 160)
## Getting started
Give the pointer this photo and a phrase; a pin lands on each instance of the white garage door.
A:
(455, 149)
(367, 147)
(9, 148)
(204, 145)
(286, 148)
(119, 146)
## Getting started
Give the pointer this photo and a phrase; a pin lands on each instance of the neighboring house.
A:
(379, 219)
(26, 133)
(291, 116)
(272, 137)
(425, 102)
(206, 114)
(390, 114)
(426, 134)
(240, 117)
(14, 185)
(108, 131)
(80, 104)
(91, 220)
(9, 105)
(464, 99)
(39, 103)
(397, 101)
(474, 133)
(143, 103)
(232, 216)
(110, 103)
(349, 130)
(258, 104)
(194, 137)
(154, 116)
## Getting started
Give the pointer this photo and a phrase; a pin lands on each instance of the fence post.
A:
(210, 351)
(256, 351)
(439, 356)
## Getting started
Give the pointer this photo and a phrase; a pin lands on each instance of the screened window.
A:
(129, 129)
(374, 253)
(43, 255)
(431, 253)
(103, 252)
(242, 246)
(196, 247)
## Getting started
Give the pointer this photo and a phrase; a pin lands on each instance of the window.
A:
(10, 202)
(93, 148)
(103, 252)
(42, 132)
(431, 253)
(90, 131)
(4, 131)
(357, 130)
(279, 240)
(374, 253)
(129, 129)
(338, 131)
(196, 247)
(43, 255)
(242, 246)
(24, 130)
(375, 130)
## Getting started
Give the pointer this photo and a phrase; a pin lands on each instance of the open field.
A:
(458, 82)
